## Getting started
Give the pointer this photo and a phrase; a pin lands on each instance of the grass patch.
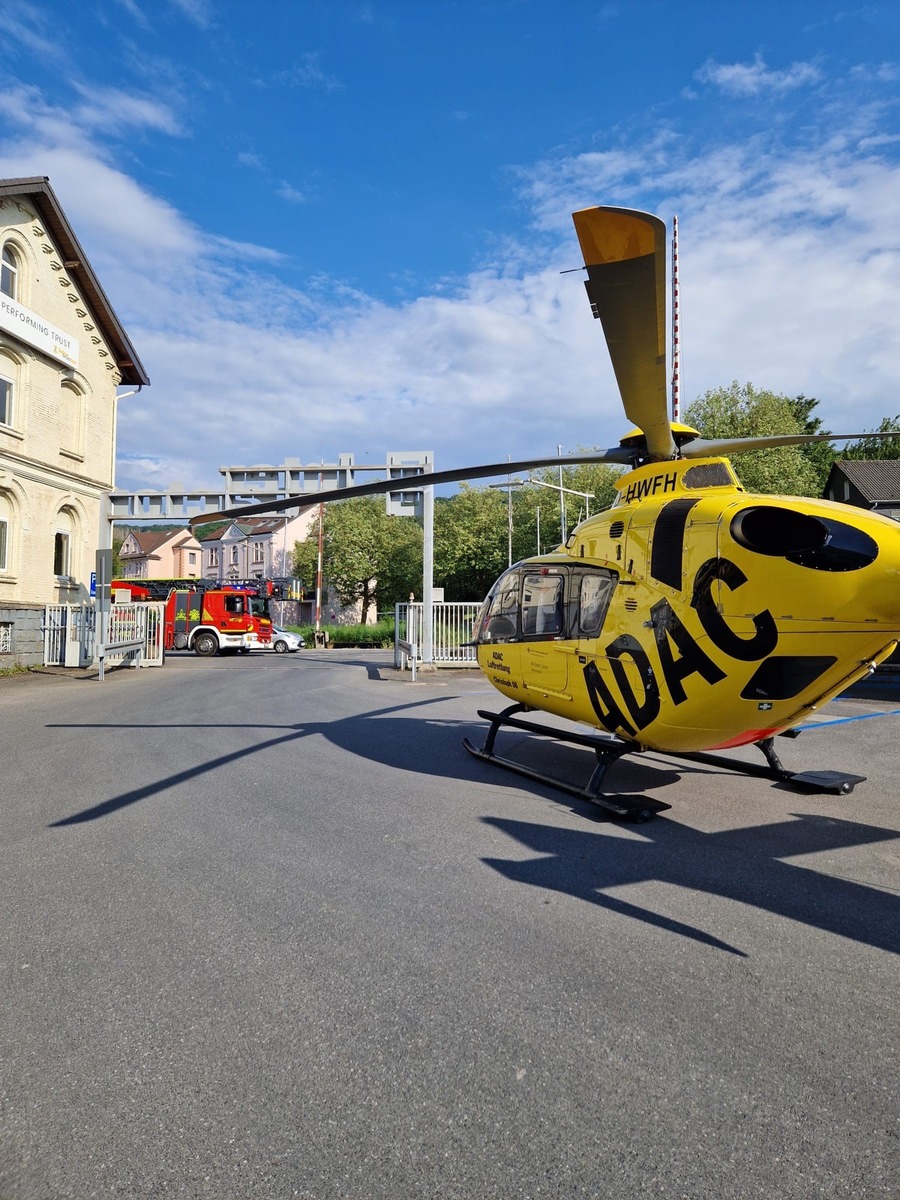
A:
(15, 669)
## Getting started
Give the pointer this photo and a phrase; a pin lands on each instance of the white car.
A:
(284, 642)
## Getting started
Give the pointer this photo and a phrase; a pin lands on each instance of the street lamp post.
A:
(562, 503)
(520, 483)
(509, 485)
(586, 496)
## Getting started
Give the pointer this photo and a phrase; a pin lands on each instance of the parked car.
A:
(285, 642)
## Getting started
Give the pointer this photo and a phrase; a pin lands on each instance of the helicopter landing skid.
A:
(837, 783)
(608, 749)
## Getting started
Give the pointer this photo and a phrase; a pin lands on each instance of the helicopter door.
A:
(545, 658)
(595, 589)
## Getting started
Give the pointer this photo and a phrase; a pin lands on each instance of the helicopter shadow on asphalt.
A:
(744, 864)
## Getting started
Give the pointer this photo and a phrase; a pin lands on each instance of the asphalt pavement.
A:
(266, 930)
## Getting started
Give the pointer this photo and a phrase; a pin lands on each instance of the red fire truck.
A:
(207, 620)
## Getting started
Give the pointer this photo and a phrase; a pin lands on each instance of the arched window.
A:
(64, 542)
(71, 420)
(7, 531)
(7, 392)
(9, 272)
(11, 369)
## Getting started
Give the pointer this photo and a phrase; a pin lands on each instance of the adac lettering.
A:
(651, 486)
(497, 664)
(678, 654)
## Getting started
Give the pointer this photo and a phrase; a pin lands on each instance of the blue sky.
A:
(336, 226)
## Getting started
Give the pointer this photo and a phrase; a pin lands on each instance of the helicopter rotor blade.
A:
(408, 483)
(625, 255)
(717, 447)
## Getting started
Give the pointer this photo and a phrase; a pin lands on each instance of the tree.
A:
(878, 448)
(742, 411)
(367, 556)
(118, 567)
(470, 541)
(821, 455)
(202, 531)
(306, 559)
(597, 482)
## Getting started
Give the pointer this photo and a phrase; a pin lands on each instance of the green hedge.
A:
(380, 636)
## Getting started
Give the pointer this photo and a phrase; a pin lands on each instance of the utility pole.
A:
(562, 502)
(428, 574)
(319, 566)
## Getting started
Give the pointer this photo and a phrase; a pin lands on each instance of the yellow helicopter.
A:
(691, 616)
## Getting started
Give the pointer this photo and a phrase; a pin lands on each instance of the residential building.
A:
(161, 554)
(255, 547)
(63, 354)
(873, 484)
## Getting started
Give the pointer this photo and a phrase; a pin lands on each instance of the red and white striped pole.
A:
(676, 329)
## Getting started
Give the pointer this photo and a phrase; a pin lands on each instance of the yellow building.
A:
(63, 354)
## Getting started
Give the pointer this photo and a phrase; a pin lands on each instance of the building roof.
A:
(252, 526)
(877, 479)
(256, 526)
(149, 542)
(215, 535)
(41, 195)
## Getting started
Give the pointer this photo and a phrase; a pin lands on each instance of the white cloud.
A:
(112, 110)
(789, 281)
(198, 11)
(289, 193)
(308, 73)
(27, 26)
(135, 12)
(754, 79)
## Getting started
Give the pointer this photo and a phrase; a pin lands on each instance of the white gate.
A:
(451, 626)
(138, 623)
(70, 633)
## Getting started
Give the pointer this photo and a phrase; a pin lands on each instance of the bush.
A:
(379, 636)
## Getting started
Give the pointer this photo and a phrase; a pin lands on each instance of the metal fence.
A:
(70, 633)
(451, 626)
(139, 622)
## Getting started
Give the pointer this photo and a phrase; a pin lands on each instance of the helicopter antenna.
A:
(676, 328)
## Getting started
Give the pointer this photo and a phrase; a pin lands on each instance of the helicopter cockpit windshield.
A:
(498, 620)
(535, 602)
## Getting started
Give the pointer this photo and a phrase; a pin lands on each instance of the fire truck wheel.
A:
(205, 645)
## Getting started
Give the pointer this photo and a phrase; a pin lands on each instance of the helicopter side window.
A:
(500, 623)
(542, 606)
(595, 593)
